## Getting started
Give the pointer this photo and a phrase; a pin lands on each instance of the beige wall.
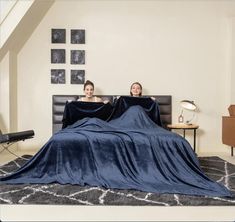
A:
(8, 97)
(232, 79)
(176, 48)
(5, 94)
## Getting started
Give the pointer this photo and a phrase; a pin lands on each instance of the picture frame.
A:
(58, 76)
(58, 36)
(77, 36)
(77, 57)
(57, 55)
(77, 76)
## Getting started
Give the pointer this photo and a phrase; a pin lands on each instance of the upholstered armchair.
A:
(228, 128)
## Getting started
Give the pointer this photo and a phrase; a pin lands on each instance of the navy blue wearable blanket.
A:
(150, 107)
(128, 152)
(77, 110)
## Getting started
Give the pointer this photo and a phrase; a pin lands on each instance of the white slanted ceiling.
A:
(18, 20)
(11, 14)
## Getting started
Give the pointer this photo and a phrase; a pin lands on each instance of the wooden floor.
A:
(113, 213)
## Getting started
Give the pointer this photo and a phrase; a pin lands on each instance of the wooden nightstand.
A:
(185, 127)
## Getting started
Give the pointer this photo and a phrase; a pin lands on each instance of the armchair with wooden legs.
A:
(228, 128)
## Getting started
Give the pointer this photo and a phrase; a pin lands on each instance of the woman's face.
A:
(136, 90)
(89, 91)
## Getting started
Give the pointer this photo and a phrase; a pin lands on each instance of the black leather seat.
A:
(14, 137)
(6, 140)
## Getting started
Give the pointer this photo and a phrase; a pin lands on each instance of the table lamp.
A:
(189, 105)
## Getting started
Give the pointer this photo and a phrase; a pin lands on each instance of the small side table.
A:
(185, 127)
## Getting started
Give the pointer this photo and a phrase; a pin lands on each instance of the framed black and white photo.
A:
(77, 56)
(77, 76)
(58, 76)
(57, 55)
(77, 36)
(58, 36)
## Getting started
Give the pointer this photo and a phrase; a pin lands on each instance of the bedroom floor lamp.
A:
(189, 105)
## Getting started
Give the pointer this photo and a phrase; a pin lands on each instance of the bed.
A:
(59, 101)
(130, 149)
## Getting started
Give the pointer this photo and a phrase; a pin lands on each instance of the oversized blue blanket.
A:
(130, 151)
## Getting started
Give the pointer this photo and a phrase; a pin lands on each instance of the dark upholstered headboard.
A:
(59, 101)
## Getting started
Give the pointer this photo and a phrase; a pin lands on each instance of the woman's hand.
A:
(106, 101)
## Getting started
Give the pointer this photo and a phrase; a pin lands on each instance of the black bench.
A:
(6, 140)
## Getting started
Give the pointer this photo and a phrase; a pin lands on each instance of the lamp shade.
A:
(187, 104)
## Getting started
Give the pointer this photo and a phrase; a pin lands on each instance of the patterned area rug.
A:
(56, 194)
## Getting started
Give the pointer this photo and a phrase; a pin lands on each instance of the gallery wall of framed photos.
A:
(58, 56)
